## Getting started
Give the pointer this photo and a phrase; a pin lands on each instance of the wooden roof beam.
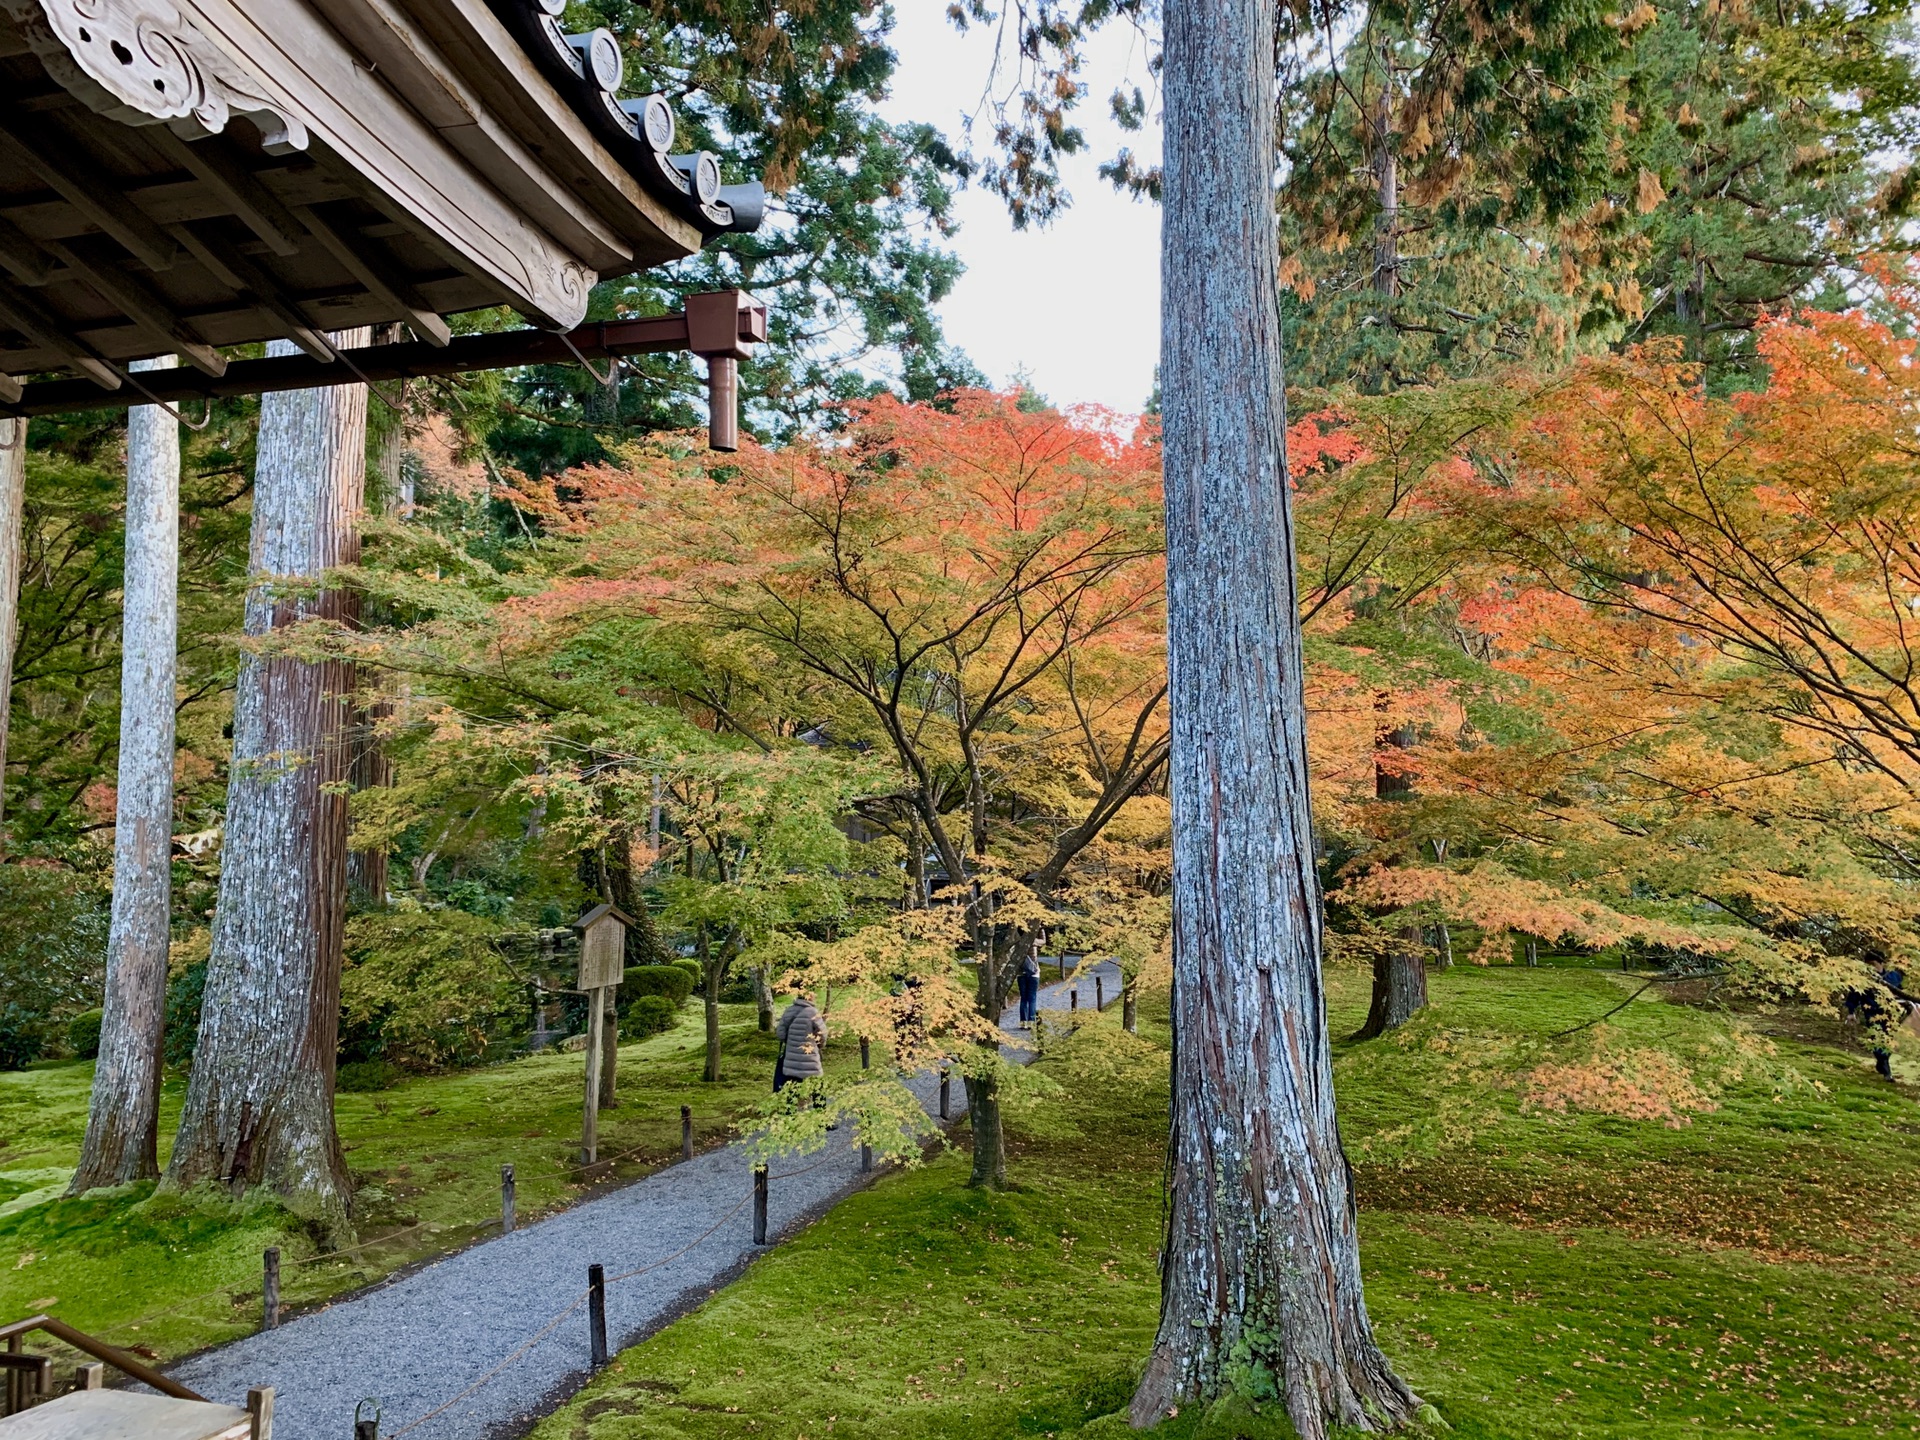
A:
(238, 188)
(20, 255)
(505, 349)
(365, 262)
(147, 310)
(67, 169)
(242, 274)
(45, 329)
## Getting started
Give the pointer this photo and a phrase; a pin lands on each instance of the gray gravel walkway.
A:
(417, 1342)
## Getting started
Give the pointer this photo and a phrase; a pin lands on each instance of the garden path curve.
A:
(422, 1341)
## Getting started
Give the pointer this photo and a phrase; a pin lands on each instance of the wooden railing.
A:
(30, 1377)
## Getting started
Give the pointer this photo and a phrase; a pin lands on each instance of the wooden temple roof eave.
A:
(506, 78)
(591, 214)
(405, 160)
(357, 117)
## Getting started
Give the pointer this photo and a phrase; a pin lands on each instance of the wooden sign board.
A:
(603, 946)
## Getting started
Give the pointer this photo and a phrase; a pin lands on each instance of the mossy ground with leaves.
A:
(168, 1274)
(1680, 1223)
(1676, 1223)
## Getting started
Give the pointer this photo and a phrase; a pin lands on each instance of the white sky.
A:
(1075, 305)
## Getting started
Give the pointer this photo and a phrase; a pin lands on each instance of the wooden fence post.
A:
(946, 1081)
(759, 1204)
(686, 1132)
(506, 1200)
(1099, 992)
(270, 1289)
(597, 1316)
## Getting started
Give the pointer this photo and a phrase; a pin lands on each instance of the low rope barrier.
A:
(541, 1334)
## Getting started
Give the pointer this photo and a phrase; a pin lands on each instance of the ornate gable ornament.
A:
(143, 62)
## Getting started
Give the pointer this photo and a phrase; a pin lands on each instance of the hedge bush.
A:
(668, 980)
(83, 1034)
(649, 1015)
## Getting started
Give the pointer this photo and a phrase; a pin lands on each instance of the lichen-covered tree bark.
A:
(1261, 1293)
(124, 1115)
(259, 1108)
(13, 495)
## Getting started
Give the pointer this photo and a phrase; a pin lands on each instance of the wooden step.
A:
(123, 1415)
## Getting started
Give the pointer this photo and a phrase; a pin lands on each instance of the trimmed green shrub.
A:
(649, 1015)
(668, 980)
(83, 1034)
(692, 967)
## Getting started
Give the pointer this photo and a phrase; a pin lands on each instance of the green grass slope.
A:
(1673, 1224)
(167, 1274)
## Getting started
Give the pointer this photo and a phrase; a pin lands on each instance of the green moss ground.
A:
(1753, 1267)
(167, 1274)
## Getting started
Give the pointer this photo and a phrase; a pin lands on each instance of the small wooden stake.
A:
(759, 1204)
(946, 1082)
(866, 1060)
(260, 1407)
(686, 1132)
(597, 1316)
(506, 1200)
(1073, 998)
(1099, 992)
(91, 1376)
(270, 1289)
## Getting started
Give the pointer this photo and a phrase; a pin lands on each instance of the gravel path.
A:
(419, 1341)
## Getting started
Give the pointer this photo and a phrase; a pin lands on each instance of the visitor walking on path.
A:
(1029, 990)
(802, 1034)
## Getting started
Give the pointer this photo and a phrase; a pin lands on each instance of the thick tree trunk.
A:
(1261, 1270)
(983, 1094)
(989, 1141)
(763, 999)
(123, 1118)
(710, 974)
(1399, 973)
(13, 496)
(1399, 985)
(609, 1054)
(259, 1107)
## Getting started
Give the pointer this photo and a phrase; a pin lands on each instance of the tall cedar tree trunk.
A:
(1261, 1268)
(367, 870)
(13, 494)
(1400, 973)
(259, 1107)
(123, 1120)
